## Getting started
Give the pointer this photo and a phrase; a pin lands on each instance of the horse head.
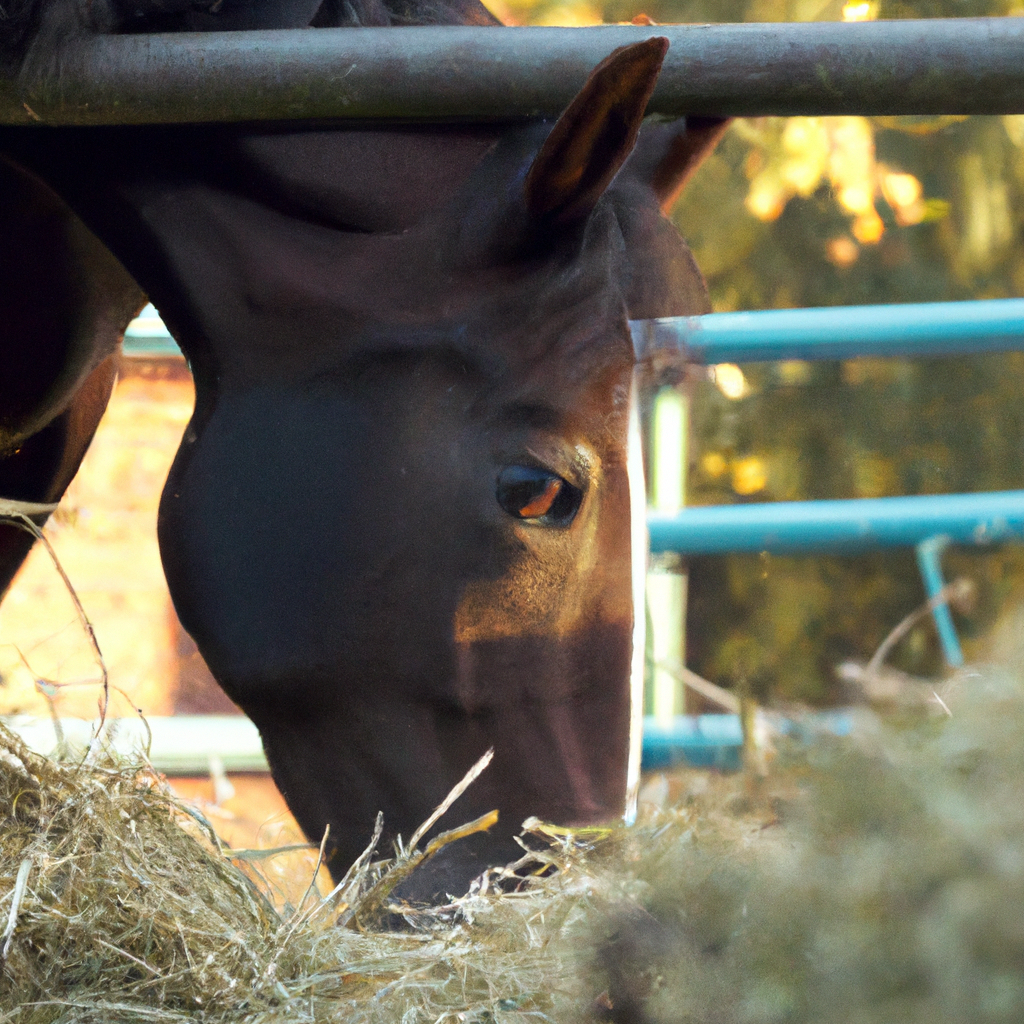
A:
(399, 523)
(399, 528)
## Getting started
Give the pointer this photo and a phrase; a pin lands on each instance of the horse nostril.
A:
(537, 495)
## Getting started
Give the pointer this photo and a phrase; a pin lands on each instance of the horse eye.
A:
(529, 493)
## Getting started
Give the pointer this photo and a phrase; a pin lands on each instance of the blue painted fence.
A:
(844, 332)
(928, 523)
(861, 524)
(841, 332)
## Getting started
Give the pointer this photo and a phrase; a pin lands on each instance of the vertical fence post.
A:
(929, 553)
(666, 587)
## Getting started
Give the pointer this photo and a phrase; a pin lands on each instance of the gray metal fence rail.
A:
(935, 66)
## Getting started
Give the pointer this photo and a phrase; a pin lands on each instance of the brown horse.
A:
(398, 525)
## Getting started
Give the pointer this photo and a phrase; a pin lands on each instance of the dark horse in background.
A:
(398, 525)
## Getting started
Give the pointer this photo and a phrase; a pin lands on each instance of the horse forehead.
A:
(510, 364)
(392, 293)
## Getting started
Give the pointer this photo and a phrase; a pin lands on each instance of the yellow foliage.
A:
(904, 193)
(857, 10)
(900, 189)
(730, 380)
(1014, 125)
(868, 227)
(793, 371)
(843, 251)
(805, 143)
(795, 156)
(851, 164)
(802, 153)
(874, 477)
(749, 475)
(767, 198)
(569, 15)
(714, 465)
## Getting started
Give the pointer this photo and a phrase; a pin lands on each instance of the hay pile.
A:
(888, 887)
(874, 879)
(126, 908)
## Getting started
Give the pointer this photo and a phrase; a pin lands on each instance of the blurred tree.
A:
(836, 211)
(843, 211)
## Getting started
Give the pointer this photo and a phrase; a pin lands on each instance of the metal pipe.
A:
(186, 745)
(182, 745)
(700, 741)
(934, 66)
(838, 332)
(716, 741)
(841, 332)
(929, 564)
(792, 527)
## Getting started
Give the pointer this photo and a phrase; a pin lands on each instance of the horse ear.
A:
(668, 155)
(595, 135)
